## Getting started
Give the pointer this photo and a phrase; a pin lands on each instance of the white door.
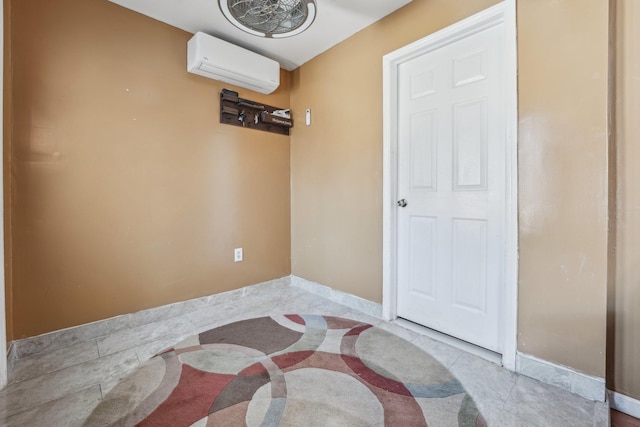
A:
(451, 173)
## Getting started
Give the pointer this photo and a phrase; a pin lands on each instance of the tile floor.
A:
(57, 379)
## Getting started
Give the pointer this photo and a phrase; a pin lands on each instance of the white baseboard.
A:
(368, 307)
(623, 403)
(587, 386)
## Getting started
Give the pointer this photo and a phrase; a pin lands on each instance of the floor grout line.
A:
(102, 393)
(456, 360)
(511, 391)
(58, 369)
(48, 402)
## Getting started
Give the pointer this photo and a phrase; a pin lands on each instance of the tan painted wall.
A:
(625, 362)
(127, 192)
(337, 167)
(563, 60)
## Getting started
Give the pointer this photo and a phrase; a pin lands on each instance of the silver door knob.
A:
(402, 203)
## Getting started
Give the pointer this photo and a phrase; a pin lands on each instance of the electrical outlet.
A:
(237, 254)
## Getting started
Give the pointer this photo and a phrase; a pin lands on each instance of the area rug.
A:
(290, 370)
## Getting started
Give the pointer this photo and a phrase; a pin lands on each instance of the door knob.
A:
(402, 203)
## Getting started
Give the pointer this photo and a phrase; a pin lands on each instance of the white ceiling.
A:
(337, 20)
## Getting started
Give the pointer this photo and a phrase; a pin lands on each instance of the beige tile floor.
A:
(57, 379)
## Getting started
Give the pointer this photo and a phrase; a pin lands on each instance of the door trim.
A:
(3, 319)
(504, 12)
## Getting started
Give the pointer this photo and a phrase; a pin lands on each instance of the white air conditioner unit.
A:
(219, 60)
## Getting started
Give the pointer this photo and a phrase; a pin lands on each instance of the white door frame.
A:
(504, 12)
(3, 319)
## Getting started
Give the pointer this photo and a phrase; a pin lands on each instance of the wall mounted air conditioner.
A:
(219, 60)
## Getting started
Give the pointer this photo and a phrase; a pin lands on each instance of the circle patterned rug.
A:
(290, 370)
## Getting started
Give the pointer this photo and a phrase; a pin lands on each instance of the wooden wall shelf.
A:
(242, 112)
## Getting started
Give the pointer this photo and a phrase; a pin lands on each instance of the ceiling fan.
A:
(270, 18)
